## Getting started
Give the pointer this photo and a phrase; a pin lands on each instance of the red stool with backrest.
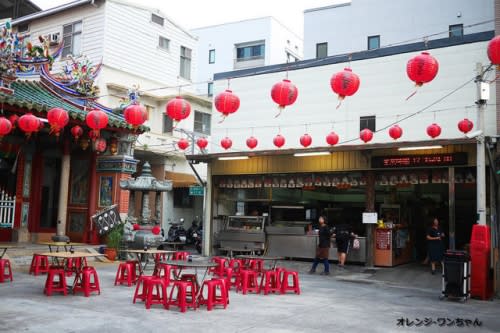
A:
(125, 274)
(39, 264)
(142, 293)
(217, 293)
(89, 282)
(160, 297)
(286, 285)
(181, 290)
(270, 282)
(247, 281)
(59, 285)
(5, 265)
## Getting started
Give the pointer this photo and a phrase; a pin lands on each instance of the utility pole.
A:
(482, 97)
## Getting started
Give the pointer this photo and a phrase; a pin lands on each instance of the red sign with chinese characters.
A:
(409, 161)
(383, 239)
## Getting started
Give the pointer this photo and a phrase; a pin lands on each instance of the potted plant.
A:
(113, 240)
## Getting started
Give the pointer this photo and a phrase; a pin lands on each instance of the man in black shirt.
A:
(323, 248)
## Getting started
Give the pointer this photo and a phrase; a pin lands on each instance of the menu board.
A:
(383, 239)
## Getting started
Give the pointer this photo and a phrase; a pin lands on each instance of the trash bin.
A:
(456, 275)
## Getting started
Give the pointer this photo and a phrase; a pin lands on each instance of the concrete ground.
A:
(354, 299)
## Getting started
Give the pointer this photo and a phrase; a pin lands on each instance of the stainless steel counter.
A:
(304, 246)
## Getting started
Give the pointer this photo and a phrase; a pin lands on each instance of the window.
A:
(72, 36)
(373, 42)
(164, 43)
(321, 50)
(202, 122)
(168, 125)
(149, 110)
(252, 51)
(211, 56)
(182, 199)
(157, 19)
(210, 87)
(23, 27)
(456, 30)
(185, 71)
(367, 122)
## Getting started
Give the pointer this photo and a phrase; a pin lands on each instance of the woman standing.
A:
(323, 248)
(435, 244)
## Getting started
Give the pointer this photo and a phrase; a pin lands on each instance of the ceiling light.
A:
(317, 153)
(420, 148)
(231, 158)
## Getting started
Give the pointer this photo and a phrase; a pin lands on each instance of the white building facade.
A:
(139, 47)
(243, 44)
(369, 24)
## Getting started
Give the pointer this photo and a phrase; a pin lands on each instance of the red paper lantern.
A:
(202, 143)
(279, 140)
(100, 145)
(77, 132)
(494, 50)
(306, 140)
(13, 118)
(58, 118)
(178, 109)
(422, 68)
(395, 132)
(226, 103)
(332, 138)
(344, 83)
(183, 144)
(5, 126)
(136, 226)
(29, 124)
(252, 142)
(366, 135)
(156, 230)
(465, 125)
(433, 130)
(96, 120)
(226, 143)
(135, 114)
(284, 93)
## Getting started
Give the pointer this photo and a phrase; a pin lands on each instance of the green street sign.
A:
(196, 191)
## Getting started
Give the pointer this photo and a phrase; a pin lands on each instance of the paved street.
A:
(351, 300)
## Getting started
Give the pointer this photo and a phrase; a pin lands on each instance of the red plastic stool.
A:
(135, 268)
(230, 278)
(219, 269)
(285, 283)
(39, 264)
(58, 285)
(5, 264)
(256, 265)
(247, 281)
(165, 272)
(89, 282)
(235, 264)
(181, 289)
(270, 282)
(193, 279)
(160, 297)
(180, 255)
(125, 274)
(216, 294)
(73, 264)
(142, 282)
(160, 257)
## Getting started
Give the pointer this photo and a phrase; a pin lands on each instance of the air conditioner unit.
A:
(55, 38)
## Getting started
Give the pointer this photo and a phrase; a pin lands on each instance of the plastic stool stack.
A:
(5, 265)
(39, 264)
(125, 274)
(89, 282)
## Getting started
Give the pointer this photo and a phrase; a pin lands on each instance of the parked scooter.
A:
(177, 233)
(191, 232)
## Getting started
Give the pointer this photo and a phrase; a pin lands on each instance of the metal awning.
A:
(181, 179)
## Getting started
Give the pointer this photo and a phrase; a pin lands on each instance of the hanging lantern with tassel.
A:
(76, 132)
(305, 140)
(366, 135)
(5, 127)
(183, 144)
(284, 93)
(96, 120)
(421, 69)
(226, 103)
(433, 130)
(58, 118)
(279, 141)
(202, 143)
(395, 132)
(332, 138)
(178, 109)
(344, 83)
(135, 115)
(226, 143)
(465, 125)
(29, 124)
(252, 142)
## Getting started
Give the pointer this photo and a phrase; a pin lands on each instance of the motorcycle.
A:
(177, 233)
(191, 232)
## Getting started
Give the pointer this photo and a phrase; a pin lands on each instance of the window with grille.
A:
(185, 70)
(202, 122)
(164, 43)
(72, 36)
(321, 50)
(367, 122)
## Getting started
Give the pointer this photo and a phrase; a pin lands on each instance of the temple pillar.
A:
(62, 211)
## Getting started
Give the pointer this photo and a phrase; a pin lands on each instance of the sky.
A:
(288, 12)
